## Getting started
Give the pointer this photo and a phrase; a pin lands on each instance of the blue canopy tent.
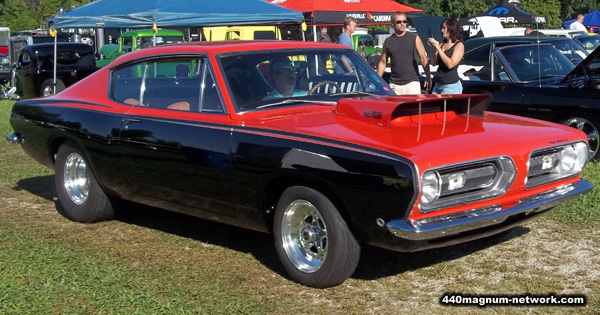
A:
(103, 14)
(590, 19)
(176, 13)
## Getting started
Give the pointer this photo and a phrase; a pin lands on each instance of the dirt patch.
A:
(540, 258)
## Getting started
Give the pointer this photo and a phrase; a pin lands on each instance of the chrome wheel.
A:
(47, 91)
(304, 236)
(589, 129)
(76, 180)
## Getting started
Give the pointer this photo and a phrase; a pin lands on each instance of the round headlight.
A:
(568, 159)
(432, 186)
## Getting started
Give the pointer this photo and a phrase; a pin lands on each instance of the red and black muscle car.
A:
(302, 140)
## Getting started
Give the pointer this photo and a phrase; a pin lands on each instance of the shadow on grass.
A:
(42, 186)
(375, 263)
(258, 244)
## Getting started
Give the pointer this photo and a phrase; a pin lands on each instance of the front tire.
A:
(312, 240)
(590, 128)
(79, 193)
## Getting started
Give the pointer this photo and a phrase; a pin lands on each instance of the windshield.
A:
(589, 42)
(287, 78)
(536, 62)
(144, 42)
(571, 50)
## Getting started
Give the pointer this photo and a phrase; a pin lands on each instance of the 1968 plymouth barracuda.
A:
(301, 140)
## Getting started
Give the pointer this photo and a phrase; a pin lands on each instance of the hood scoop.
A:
(386, 111)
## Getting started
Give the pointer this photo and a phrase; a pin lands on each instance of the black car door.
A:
(175, 139)
(26, 74)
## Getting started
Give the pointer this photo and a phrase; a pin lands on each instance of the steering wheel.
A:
(318, 85)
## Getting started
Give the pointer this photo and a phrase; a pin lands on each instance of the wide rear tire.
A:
(312, 239)
(79, 194)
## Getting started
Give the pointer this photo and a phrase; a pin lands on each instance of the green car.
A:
(134, 40)
(364, 44)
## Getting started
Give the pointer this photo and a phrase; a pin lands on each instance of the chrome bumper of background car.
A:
(444, 226)
(14, 138)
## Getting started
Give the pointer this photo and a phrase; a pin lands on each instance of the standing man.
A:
(346, 39)
(578, 25)
(402, 48)
(349, 28)
(324, 36)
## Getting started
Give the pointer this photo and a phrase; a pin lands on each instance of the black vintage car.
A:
(536, 80)
(35, 67)
(569, 47)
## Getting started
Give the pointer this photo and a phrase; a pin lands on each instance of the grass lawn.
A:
(150, 261)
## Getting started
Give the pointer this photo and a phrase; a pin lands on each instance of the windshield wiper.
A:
(353, 93)
(297, 101)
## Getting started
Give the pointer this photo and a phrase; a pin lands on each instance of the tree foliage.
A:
(547, 8)
(31, 14)
(451, 8)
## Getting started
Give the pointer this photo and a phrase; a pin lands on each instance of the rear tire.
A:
(79, 194)
(46, 89)
(312, 240)
(590, 127)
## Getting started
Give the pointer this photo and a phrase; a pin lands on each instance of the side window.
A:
(173, 84)
(25, 59)
(126, 84)
(500, 73)
(170, 84)
(264, 35)
(127, 43)
(233, 35)
(479, 58)
(211, 101)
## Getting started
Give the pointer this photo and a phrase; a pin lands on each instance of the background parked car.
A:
(536, 80)
(35, 67)
(588, 42)
(570, 48)
(137, 39)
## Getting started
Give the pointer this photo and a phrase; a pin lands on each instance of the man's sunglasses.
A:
(401, 21)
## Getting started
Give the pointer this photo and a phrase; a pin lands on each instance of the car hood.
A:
(590, 66)
(419, 128)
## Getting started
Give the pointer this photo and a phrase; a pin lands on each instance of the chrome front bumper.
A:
(449, 225)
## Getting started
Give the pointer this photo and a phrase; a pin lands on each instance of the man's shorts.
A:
(411, 88)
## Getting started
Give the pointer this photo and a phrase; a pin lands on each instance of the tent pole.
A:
(54, 75)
